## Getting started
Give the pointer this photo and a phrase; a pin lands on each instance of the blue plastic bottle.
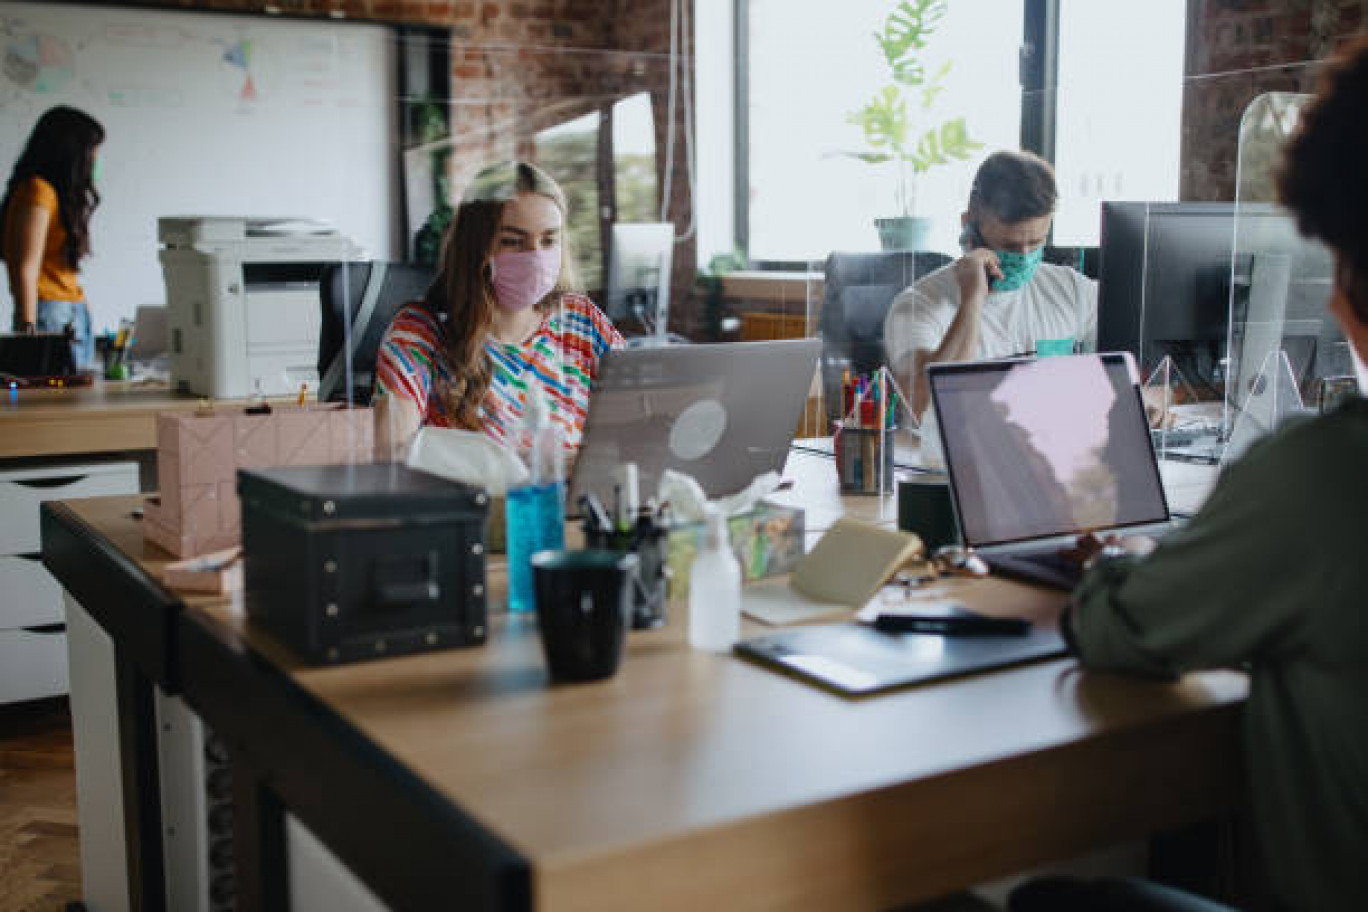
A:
(534, 512)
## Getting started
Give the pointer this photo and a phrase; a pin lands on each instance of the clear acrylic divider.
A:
(1284, 348)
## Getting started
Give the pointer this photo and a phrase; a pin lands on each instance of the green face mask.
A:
(96, 170)
(1017, 268)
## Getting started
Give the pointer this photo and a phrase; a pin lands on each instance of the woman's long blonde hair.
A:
(462, 293)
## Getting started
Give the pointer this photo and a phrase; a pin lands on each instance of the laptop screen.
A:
(1056, 446)
(721, 413)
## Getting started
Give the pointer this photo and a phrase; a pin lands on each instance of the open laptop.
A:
(1041, 451)
(721, 413)
(34, 359)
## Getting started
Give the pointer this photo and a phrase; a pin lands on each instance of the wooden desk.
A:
(688, 780)
(104, 418)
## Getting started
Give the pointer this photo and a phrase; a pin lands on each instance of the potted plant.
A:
(894, 120)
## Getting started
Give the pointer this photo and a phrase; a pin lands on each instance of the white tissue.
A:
(466, 456)
(689, 504)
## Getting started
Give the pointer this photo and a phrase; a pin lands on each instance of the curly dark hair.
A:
(59, 150)
(1324, 176)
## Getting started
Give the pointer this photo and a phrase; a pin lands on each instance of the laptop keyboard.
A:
(1048, 567)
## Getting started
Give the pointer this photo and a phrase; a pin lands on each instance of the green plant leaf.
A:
(906, 30)
(941, 145)
(935, 85)
(884, 120)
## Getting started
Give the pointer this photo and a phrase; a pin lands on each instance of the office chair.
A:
(367, 294)
(857, 292)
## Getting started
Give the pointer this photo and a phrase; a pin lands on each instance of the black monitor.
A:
(367, 295)
(1166, 276)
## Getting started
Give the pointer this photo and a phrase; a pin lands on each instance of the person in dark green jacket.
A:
(1272, 576)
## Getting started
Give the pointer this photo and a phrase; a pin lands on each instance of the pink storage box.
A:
(199, 453)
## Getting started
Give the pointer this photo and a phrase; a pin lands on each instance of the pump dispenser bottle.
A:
(715, 590)
(534, 512)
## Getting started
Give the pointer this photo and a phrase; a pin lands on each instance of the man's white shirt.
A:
(1058, 303)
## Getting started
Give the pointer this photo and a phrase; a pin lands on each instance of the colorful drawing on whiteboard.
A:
(239, 54)
(39, 63)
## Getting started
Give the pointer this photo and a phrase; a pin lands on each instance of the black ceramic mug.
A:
(924, 508)
(584, 605)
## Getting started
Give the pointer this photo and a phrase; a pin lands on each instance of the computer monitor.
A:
(1175, 280)
(151, 333)
(366, 294)
(636, 293)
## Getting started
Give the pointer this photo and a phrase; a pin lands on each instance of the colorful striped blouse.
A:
(563, 355)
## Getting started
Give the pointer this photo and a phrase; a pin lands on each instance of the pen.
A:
(594, 512)
(965, 625)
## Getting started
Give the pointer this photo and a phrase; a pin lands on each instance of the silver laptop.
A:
(721, 413)
(1041, 451)
(150, 333)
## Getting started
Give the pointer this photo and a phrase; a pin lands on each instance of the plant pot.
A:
(906, 232)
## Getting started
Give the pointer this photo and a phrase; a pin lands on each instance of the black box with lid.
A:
(351, 562)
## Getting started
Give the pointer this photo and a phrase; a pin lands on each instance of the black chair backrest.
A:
(857, 291)
(366, 295)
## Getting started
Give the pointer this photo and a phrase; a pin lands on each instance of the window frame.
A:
(1038, 67)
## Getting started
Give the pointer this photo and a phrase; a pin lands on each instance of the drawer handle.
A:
(46, 629)
(58, 481)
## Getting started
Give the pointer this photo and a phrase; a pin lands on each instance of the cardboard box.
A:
(199, 453)
(767, 541)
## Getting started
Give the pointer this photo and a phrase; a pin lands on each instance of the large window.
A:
(813, 62)
(1112, 130)
(1118, 126)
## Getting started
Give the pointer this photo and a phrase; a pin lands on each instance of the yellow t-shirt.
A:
(57, 281)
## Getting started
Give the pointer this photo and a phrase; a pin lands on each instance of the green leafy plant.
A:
(893, 119)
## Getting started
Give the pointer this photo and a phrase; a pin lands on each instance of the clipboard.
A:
(855, 660)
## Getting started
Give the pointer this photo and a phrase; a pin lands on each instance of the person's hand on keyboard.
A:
(1089, 547)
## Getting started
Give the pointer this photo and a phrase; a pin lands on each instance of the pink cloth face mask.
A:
(524, 277)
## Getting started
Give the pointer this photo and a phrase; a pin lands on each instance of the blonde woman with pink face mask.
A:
(503, 315)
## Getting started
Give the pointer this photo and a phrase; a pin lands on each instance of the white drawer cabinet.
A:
(28, 593)
(23, 489)
(33, 662)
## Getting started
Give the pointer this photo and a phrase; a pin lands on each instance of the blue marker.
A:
(14, 393)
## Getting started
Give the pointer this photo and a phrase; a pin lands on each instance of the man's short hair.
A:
(1014, 187)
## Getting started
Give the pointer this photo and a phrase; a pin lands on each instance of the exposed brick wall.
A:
(520, 66)
(578, 21)
(1237, 50)
(643, 28)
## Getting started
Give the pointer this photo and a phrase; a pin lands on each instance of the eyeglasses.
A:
(948, 560)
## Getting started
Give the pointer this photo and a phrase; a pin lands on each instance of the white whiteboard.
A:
(206, 114)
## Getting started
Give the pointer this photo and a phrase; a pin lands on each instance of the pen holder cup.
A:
(864, 460)
(650, 586)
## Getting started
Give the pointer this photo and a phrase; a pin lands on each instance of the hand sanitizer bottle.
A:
(534, 512)
(715, 590)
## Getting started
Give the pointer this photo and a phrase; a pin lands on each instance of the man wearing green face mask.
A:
(998, 299)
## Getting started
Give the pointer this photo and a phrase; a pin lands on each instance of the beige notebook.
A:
(851, 561)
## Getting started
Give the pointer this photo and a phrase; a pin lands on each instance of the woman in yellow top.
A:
(46, 226)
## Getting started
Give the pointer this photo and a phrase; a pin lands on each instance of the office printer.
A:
(242, 295)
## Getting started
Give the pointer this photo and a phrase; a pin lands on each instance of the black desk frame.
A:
(286, 750)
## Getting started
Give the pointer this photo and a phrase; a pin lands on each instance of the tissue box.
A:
(199, 453)
(767, 541)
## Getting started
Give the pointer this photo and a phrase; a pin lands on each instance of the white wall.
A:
(206, 114)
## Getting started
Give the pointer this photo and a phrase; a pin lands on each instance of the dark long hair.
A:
(463, 290)
(61, 150)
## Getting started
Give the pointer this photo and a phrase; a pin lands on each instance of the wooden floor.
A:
(40, 864)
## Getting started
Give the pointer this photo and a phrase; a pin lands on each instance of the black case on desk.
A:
(352, 562)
